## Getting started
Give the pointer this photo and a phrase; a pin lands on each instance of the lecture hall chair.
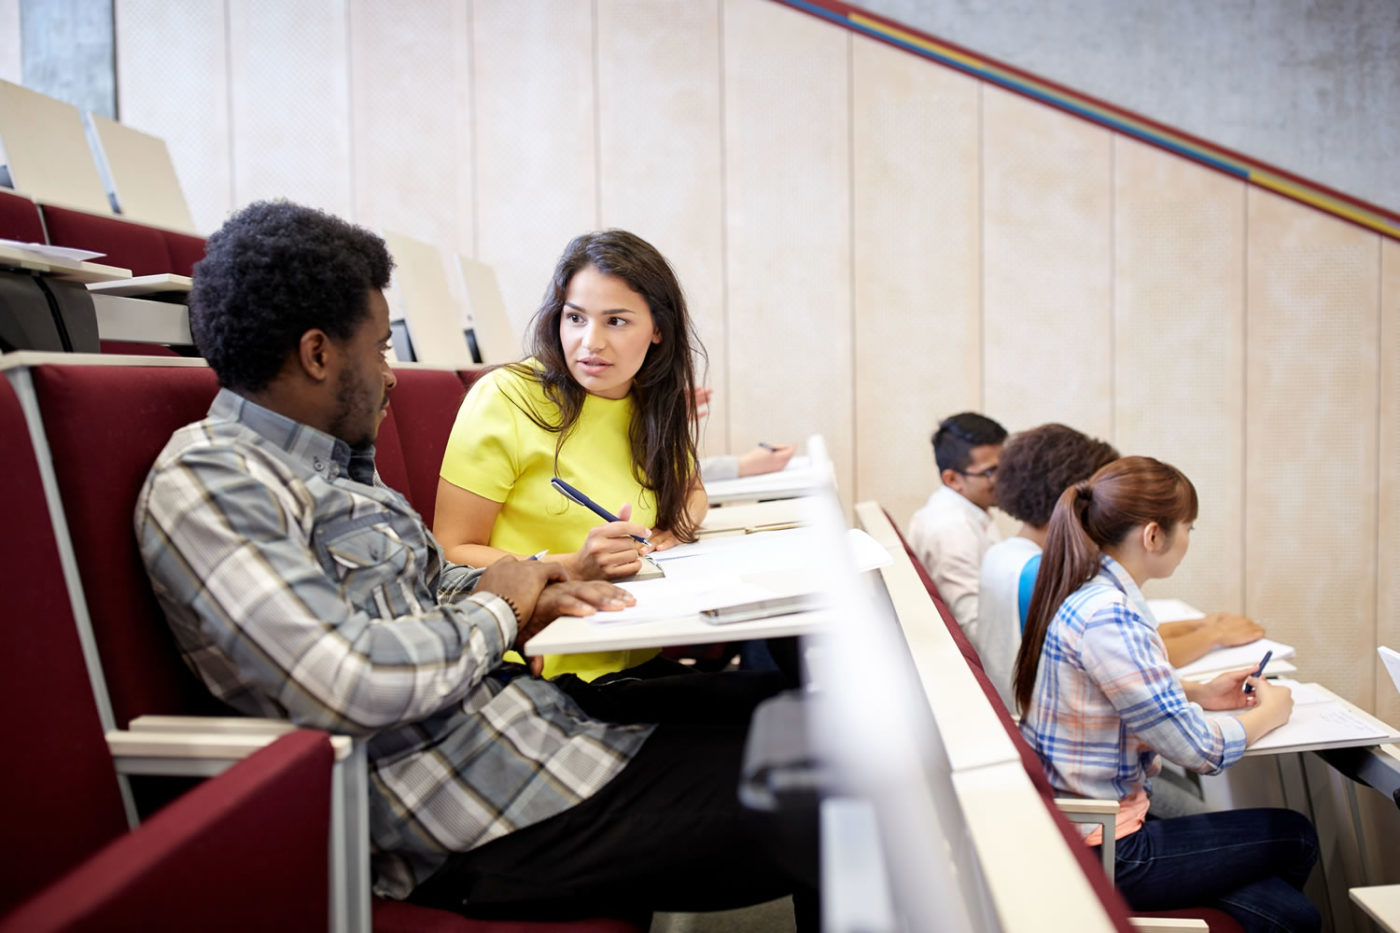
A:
(69, 861)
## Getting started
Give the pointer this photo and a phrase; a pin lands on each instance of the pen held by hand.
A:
(574, 495)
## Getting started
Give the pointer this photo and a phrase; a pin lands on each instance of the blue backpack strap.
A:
(1026, 587)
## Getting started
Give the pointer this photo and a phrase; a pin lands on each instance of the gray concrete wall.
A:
(1310, 86)
(67, 49)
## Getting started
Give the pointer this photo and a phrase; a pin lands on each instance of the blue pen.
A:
(570, 492)
(1259, 671)
(766, 446)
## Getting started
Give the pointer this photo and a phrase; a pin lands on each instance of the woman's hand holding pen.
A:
(610, 550)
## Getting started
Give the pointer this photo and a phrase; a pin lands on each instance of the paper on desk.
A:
(1318, 718)
(1240, 656)
(52, 252)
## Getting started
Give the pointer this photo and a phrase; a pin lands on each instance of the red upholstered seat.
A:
(68, 861)
(44, 670)
(19, 218)
(105, 426)
(262, 826)
(185, 250)
(425, 403)
(126, 245)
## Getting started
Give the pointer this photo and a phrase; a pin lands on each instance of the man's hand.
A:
(569, 598)
(519, 582)
(610, 550)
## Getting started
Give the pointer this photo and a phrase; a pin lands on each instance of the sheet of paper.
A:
(1319, 718)
(1232, 659)
(1391, 658)
(68, 253)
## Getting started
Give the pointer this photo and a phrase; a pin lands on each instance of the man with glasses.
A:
(953, 529)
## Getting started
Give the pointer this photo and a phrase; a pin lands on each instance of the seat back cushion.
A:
(125, 244)
(19, 218)
(105, 425)
(425, 404)
(62, 785)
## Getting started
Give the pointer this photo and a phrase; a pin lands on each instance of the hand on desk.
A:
(1189, 639)
(765, 459)
(519, 582)
(569, 598)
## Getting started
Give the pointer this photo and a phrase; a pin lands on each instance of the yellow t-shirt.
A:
(497, 452)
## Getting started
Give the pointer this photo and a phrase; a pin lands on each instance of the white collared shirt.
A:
(950, 534)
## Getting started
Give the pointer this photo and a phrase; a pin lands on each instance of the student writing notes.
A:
(604, 403)
(1100, 703)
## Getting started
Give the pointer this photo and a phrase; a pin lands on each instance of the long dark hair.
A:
(1090, 516)
(664, 433)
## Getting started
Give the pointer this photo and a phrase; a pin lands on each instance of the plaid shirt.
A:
(300, 587)
(1107, 701)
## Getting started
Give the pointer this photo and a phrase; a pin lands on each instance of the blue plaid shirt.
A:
(1107, 701)
(300, 587)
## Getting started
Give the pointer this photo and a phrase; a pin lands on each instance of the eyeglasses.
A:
(988, 473)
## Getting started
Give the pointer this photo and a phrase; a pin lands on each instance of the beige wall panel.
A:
(916, 161)
(173, 82)
(290, 113)
(788, 230)
(660, 149)
(412, 145)
(1388, 558)
(1179, 249)
(536, 149)
(1046, 266)
(1310, 444)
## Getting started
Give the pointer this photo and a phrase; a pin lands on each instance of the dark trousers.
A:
(1249, 863)
(667, 834)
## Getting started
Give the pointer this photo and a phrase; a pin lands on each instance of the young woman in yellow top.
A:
(604, 403)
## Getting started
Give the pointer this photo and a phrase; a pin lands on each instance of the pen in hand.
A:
(1259, 671)
(766, 446)
(574, 495)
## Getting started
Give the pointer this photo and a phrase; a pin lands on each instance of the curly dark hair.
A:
(272, 272)
(1039, 464)
(663, 432)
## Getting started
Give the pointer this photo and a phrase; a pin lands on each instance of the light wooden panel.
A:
(1178, 272)
(660, 147)
(141, 174)
(158, 42)
(916, 166)
(788, 229)
(535, 137)
(1311, 429)
(1388, 556)
(412, 143)
(290, 102)
(47, 150)
(1046, 266)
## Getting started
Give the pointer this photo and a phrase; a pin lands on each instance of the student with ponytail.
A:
(1100, 703)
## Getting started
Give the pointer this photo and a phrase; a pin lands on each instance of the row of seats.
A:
(98, 424)
(145, 250)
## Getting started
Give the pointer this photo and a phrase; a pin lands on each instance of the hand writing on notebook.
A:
(611, 549)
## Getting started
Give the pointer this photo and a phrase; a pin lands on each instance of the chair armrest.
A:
(1103, 812)
(1167, 924)
(245, 850)
(193, 754)
(238, 725)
